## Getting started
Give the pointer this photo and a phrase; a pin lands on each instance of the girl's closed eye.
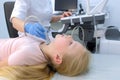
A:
(70, 42)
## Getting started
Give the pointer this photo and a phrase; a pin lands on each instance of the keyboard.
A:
(83, 18)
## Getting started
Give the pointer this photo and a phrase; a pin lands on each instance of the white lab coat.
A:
(42, 9)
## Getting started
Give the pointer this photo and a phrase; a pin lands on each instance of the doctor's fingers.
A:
(66, 14)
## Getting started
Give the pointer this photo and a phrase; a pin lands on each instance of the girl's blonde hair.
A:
(74, 65)
(40, 72)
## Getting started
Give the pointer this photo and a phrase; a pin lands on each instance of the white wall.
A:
(3, 27)
(114, 11)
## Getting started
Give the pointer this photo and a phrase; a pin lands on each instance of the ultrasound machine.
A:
(85, 21)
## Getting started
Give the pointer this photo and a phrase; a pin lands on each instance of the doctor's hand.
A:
(35, 29)
(66, 14)
(58, 17)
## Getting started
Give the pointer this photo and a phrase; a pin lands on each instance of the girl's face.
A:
(63, 43)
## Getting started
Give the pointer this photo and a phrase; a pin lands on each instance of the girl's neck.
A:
(45, 52)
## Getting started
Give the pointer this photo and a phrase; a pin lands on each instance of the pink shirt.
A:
(22, 51)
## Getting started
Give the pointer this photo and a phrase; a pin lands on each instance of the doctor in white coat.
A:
(42, 9)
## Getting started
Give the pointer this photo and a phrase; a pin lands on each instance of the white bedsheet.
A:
(102, 67)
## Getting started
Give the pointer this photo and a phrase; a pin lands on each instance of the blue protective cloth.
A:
(35, 29)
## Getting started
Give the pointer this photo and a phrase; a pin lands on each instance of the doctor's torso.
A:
(42, 9)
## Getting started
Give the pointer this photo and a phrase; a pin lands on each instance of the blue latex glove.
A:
(35, 29)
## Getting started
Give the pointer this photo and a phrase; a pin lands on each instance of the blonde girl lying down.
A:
(28, 58)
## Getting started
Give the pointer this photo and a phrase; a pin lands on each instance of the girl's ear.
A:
(57, 59)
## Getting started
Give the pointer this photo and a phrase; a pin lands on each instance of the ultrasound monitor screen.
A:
(65, 5)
